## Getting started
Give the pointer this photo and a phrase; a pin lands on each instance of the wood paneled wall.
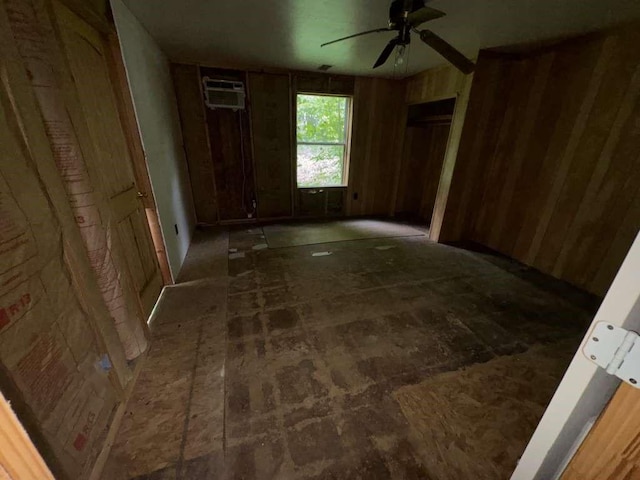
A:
(186, 79)
(548, 170)
(379, 120)
(231, 154)
(423, 155)
(433, 85)
(271, 132)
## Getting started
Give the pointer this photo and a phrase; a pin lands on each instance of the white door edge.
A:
(585, 389)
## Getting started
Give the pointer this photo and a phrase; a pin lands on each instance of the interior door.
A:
(612, 449)
(87, 55)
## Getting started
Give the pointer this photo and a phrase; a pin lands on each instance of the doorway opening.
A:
(425, 145)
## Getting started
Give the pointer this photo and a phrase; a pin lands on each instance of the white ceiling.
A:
(288, 33)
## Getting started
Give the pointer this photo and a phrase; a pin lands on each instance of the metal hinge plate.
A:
(616, 350)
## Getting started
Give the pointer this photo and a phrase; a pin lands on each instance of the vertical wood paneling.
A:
(424, 150)
(271, 134)
(435, 84)
(379, 119)
(186, 79)
(511, 197)
(467, 166)
(230, 144)
(548, 166)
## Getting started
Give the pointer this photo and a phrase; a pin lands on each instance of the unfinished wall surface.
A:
(62, 356)
(149, 74)
(548, 169)
(49, 354)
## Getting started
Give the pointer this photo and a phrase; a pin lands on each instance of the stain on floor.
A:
(279, 364)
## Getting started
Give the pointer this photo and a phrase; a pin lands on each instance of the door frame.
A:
(19, 457)
(585, 389)
(131, 130)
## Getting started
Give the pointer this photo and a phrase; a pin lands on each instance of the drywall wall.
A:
(148, 71)
(548, 169)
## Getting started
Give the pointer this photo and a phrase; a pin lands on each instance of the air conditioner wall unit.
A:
(223, 94)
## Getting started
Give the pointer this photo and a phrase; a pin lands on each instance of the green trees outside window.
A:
(322, 136)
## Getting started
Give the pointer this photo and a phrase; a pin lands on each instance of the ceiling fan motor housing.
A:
(397, 16)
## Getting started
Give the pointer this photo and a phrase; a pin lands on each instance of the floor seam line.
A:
(185, 428)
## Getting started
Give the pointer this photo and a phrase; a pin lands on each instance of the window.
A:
(322, 137)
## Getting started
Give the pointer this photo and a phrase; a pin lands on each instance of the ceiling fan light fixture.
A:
(404, 17)
(400, 55)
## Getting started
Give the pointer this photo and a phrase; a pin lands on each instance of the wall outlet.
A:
(175, 226)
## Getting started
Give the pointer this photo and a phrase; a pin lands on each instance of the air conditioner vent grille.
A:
(224, 94)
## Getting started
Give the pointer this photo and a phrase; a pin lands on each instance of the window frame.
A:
(346, 144)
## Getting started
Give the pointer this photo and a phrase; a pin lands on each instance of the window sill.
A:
(322, 187)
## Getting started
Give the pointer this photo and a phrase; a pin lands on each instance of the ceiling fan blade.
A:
(456, 58)
(384, 56)
(357, 35)
(422, 15)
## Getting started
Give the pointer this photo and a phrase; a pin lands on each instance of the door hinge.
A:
(617, 350)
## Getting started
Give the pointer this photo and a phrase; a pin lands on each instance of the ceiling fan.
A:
(404, 17)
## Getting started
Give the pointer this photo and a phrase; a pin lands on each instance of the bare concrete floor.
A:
(274, 363)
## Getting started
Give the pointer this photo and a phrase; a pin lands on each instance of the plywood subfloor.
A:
(475, 423)
(277, 364)
(293, 235)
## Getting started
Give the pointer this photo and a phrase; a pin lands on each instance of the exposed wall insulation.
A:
(37, 46)
(70, 238)
(49, 352)
(548, 169)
